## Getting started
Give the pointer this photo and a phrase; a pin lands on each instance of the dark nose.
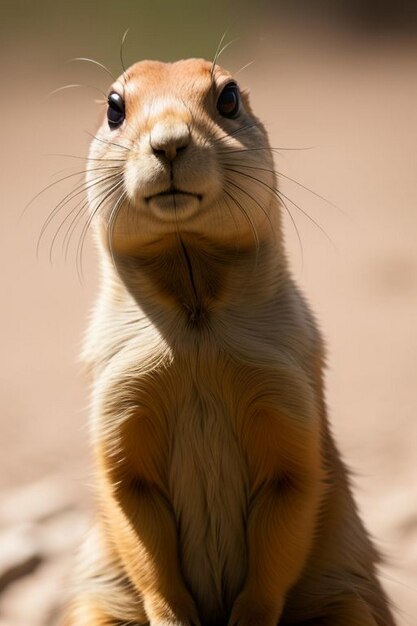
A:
(167, 140)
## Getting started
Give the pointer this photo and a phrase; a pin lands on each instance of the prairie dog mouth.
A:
(165, 204)
(173, 191)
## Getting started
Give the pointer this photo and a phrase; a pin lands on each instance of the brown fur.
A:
(222, 499)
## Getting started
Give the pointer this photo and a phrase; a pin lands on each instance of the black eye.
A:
(116, 110)
(229, 101)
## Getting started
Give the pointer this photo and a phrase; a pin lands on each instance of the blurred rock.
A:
(41, 527)
(62, 534)
(19, 554)
(37, 599)
(36, 501)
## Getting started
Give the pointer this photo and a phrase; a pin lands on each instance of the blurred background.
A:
(336, 83)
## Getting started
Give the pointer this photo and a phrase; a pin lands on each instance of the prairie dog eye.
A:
(115, 110)
(228, 103)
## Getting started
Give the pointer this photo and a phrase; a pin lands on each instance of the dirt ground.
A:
(352, 106)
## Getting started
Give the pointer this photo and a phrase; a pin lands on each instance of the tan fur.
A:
(222, 499)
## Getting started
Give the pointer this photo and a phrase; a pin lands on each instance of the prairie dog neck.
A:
(189, 280)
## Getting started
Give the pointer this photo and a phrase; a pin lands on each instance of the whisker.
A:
(227, 151)
(80, 246)
(85, 158)
(87, 60)
(84, 201)
(253, 200)
(247, 217)
(56, 182)
(235, 132)
(112, 222)
(300, 244)
(68, 236)
(235, 223)
(225, 47)
(121, 56)
(252, 227)
(296, 182)
(244, 67)
(66, 242)
(51, 93)
(80, 189)
(73, 86)
(244, 290)
(108, 143)
(312, 220)
(216, 55)
(278, 194)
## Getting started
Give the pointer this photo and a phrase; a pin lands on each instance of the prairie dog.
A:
(221, 496)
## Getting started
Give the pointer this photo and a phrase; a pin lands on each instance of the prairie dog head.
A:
(180, 150)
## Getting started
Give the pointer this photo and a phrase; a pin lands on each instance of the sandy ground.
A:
(355, 108)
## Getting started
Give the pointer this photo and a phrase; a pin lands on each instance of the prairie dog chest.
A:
(208, 485)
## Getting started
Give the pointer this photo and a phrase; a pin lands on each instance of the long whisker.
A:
(80, 246)
(254, 200)
(247, 217)
(56, 182)
(73, 86)
(84, 202)
(85, 184)
(296, 182)
(72, 228)
(279, 194)
(84, 158)
(237, 131)
(87, 60)
(80, 189)
(108, 143)
(297, 232)
(229, 43)
(313, 221)
(121, 55)
(272, 229)
(228, 151)
(112, 222)
(237, 243)
(300, 243)
(314, 193)
(235, 223)
(102, 196)
(243, 68)
(216, 55)
(251, 225)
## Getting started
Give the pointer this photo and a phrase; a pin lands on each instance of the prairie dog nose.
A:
(169, 138)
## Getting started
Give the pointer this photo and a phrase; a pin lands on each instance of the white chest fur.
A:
(208, 485)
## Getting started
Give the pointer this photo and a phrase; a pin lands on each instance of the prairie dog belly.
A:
(209, 487)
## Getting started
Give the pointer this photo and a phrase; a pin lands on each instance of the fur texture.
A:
(222, 499)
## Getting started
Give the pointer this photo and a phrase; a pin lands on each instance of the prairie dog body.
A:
(222, 499)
